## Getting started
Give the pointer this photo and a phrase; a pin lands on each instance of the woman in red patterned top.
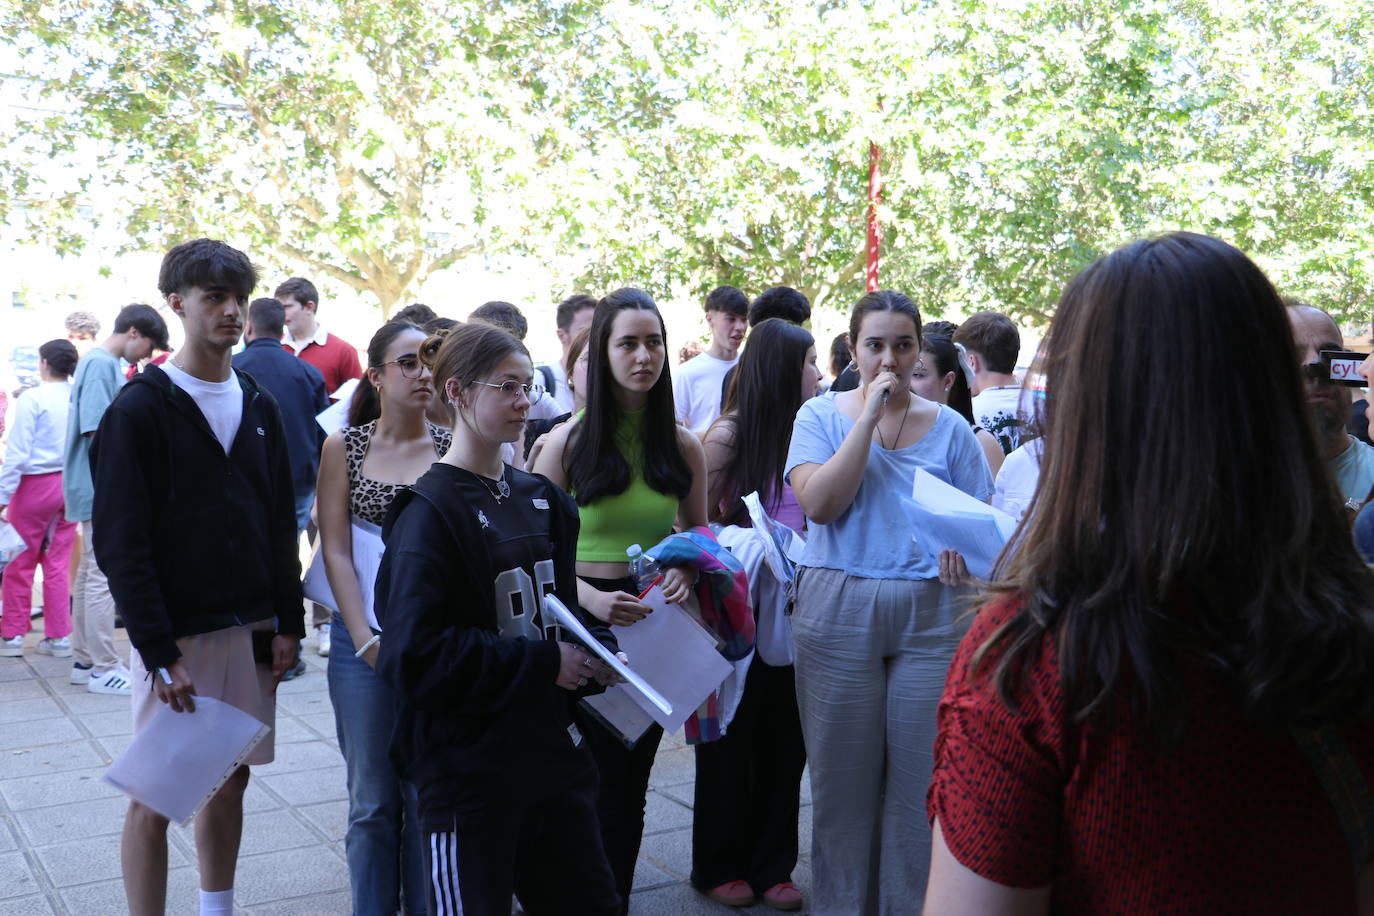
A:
(1168, 705)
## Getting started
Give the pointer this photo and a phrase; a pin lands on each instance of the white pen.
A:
(166, 678)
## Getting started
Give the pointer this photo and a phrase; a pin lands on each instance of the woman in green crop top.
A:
(635, 474)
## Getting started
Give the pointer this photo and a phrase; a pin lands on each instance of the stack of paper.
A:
(181, 759)
(946, 518)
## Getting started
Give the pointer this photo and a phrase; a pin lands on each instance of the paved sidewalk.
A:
(60, 824)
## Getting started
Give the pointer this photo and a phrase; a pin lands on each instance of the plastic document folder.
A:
(676, 655)
(946, 518)
(181, 759)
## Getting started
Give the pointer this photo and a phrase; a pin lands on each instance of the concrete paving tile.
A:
(314, 905)
(290, 730)
(108, 724)
(81, 861)
(257, 798)
(267, 831)
(16, 878)
(27, 906)
(14, 669)
(47, 665)
(679, 900)
(648, 875)
(13, 711)
(114, 745)
(51, 758)
(62, 685)
(53, 788)
(673, 766)
(304, 788)
(61, 823)
(330, 817)
(56, 730)
(8, 829)
(682, 793)
(106, 897)
(273, 876)
(306, 704)
(21, 690)
(83, 702)
(663, 812)
(323, 725)
(294, 757)
(670, 851)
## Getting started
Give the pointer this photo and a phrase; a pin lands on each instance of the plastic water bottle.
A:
(644, 569)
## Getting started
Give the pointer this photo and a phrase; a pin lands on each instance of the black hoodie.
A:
(193, 540)
(482, 724)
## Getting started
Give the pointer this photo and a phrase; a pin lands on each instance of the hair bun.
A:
(429, 350)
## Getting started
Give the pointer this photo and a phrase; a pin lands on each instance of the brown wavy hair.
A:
(1184, 512)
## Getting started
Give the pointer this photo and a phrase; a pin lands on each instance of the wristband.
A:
(368, 645)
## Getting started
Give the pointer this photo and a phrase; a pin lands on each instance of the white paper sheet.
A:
(181, 759)
(568, 620)
(333, 417)
(368, 548)
(621, 713)
(946, 518)
(676, 655)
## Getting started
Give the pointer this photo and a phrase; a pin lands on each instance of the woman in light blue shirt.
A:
(874, 625)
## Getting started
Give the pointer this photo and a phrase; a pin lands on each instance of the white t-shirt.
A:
(1000, 411)
(696, 390)
(555, 404)
(1017, 479)
(220, 402)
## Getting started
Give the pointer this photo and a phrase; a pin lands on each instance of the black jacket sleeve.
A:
(125, 466)
(437, 649)
(287, 597)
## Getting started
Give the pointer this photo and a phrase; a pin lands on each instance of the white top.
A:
(1000, 411)
(220, 402)
(321, 337)
(696, 390)
(1017, 479)
(38, 437)
(561, 400)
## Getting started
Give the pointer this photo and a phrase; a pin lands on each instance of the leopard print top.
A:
(369, 499)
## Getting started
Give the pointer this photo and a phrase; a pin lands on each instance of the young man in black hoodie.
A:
(194, 522)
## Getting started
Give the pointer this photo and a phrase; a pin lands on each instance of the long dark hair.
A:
(366, 405)
(944, 359)
(1184, 510)
(596, 467)
(761, 404)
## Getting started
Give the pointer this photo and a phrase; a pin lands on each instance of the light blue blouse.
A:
(873, 538)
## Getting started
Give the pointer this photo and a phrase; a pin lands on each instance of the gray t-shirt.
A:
(97, 381)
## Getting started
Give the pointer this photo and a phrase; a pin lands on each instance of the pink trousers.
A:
(36, 512)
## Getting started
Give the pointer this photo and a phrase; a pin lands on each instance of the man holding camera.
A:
(1328, 397)
(195, 527)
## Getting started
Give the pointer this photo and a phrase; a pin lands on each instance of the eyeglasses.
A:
(410, 365)
(513, 389)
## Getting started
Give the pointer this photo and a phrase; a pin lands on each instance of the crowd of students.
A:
(1160, 700)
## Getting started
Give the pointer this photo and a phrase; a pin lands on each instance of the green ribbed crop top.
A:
(640, 515)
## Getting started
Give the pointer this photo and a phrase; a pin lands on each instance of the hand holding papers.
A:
(568, 621)
(946, 518)
(181, 759)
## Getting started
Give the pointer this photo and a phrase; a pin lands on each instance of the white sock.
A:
(217, 903)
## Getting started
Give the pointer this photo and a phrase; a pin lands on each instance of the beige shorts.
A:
(220, 665)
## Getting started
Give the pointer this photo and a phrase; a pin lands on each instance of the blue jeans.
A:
(303, 506)
(383, 844)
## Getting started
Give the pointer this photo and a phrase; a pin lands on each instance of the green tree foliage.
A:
(680, 145)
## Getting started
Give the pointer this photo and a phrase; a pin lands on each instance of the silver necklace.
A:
(500, 491)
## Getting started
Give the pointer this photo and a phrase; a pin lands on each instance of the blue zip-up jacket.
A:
(298, 389)
(193, 540)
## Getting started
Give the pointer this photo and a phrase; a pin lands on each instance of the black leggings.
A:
(624, 778)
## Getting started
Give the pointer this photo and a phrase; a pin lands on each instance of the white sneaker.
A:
(117, 682)
(322, 634)
(57, 648)
(81, 674)
(12, 648)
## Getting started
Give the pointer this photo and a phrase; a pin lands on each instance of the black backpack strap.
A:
(550, 383)
(1345, 787)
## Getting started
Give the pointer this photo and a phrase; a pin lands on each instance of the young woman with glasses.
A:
(634, 472)
(385, 447)
(506, 784)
